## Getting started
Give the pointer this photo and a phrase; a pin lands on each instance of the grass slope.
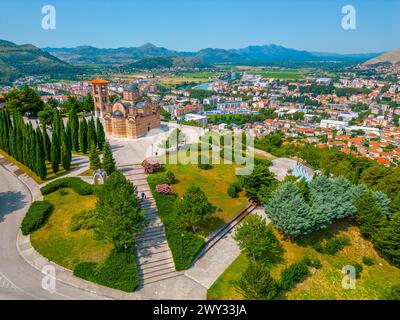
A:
(375, 280)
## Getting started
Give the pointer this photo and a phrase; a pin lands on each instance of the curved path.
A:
(18, 280)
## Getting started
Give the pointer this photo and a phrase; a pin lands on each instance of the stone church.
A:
(130, 117)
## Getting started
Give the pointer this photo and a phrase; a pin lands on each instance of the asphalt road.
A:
(19, 280)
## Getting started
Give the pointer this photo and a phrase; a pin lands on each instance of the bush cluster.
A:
(36, 216)
(332, 246)
(83, 220)
(119, 271)
(81, 187)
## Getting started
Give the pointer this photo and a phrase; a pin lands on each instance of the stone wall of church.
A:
(128, 128)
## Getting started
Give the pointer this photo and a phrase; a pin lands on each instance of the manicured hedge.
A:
(119, 271)
(36, 216)
(81, 187)
(184, 249)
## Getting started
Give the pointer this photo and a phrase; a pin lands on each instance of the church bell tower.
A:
(100, 96)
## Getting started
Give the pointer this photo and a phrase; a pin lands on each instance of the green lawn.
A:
(56, 242)
(214, 182)
(326, 282)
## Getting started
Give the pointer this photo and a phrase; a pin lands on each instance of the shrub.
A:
(81, 187)
(368, 261)
(164, 189)
(184, 249)
(331, 246)
(316, 264)
(36, 216)
(151, 166)
(336, 244)
(393, 293)
(83, 220)
(119, 271)
(232, 192)
(293, 274)
(318, 246)
(359, 268)
(312, 262)
(170, 176)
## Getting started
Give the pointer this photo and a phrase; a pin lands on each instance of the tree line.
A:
(33, 147)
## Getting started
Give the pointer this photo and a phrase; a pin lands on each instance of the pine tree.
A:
(94, 158)
(73, 123)
(388, 239)
(83, 138)
(119, 217)
(92, 140)
(256, 282)
(369, 216)
(289, 212)
(55, 152)
(101, 136)
(108, 160)
(66, 157)
(194, 207)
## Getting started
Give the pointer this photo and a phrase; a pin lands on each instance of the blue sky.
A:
(313, 25)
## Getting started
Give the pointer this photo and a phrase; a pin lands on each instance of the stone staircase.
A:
(152, 251)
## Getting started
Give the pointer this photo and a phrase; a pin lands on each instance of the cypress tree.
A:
(92, 133)
(73, 122)
(83, 138)
(66, 157)
(108, 160)
(40, 157)
(55, 151)
(94, 158)
(46, 144)
(68, 141)
(32, 149)
(101, 136)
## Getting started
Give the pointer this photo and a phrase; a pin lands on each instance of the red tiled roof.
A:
(99, 81)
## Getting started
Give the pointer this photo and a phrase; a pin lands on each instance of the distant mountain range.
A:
(20, 60)
(389, 57)
(251, 54)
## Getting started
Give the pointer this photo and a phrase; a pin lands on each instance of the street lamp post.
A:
(182, 236)
(126, 252)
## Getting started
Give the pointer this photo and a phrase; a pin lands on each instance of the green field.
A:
(214, 182)
(375, 280)
(200, 75)
(56, 242)
(282, 74)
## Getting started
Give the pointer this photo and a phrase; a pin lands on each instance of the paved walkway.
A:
(154, 256)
